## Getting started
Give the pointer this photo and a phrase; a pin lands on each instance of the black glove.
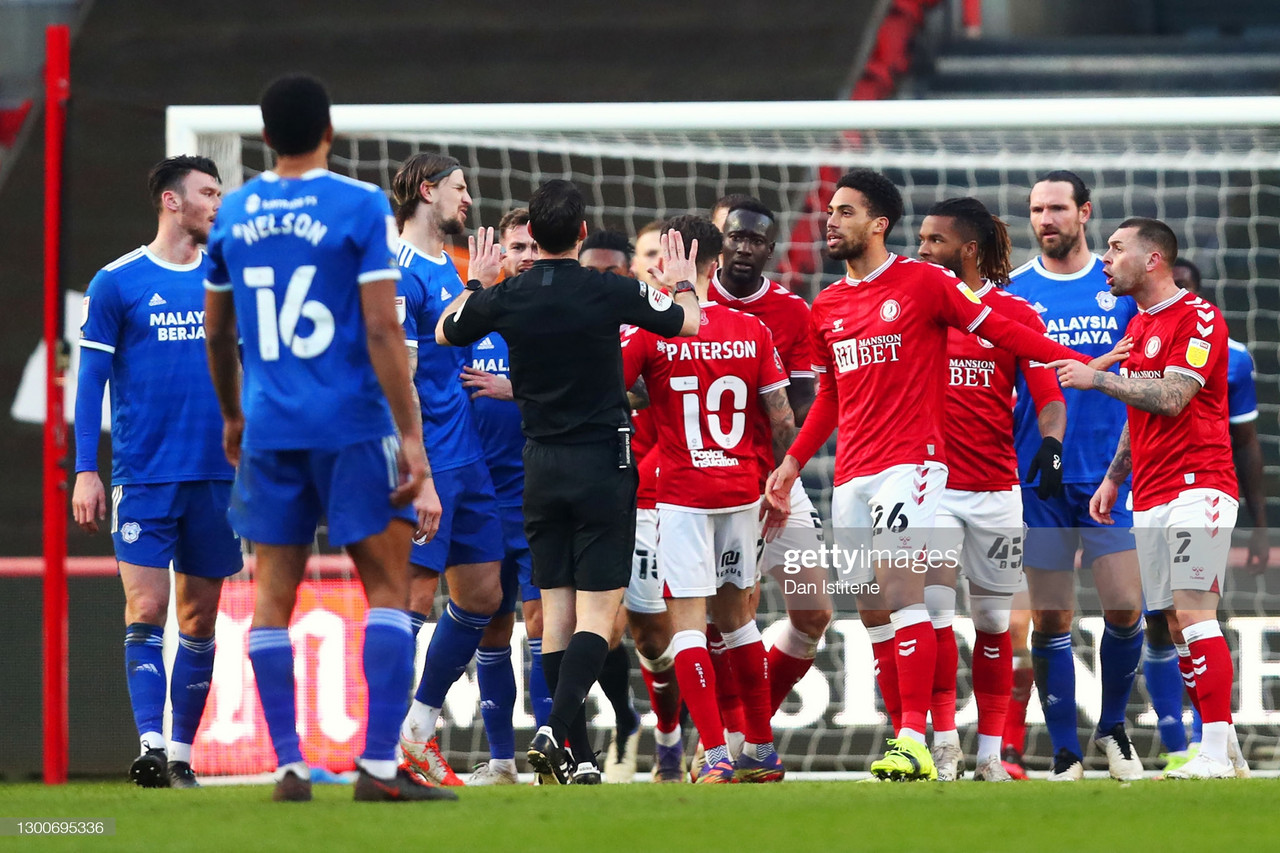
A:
(1048, 462)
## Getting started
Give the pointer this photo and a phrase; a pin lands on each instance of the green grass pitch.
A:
(1030, 817)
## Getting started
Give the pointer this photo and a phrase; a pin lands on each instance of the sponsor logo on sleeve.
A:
(84, 313)
(1197, 352)
(659, 300)
(968, 294)
(401, 310)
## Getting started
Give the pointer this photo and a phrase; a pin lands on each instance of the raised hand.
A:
(676, 265)
(484, 257)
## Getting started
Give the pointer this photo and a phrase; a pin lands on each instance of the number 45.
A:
(271, 331)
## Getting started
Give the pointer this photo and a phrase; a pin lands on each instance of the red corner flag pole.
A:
(57, 78)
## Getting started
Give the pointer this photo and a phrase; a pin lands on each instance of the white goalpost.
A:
(1210, 167)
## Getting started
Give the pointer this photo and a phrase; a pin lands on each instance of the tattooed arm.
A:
(782, 421)
(1167, 395)
(1105, 497)
(1122, 462)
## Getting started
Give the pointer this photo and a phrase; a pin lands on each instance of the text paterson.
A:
(707, 350)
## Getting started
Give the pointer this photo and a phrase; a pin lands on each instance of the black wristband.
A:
(474, 285)
(684, 286)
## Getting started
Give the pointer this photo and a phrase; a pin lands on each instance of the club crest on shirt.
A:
(1152, 347)
(1197, 352)
(890, 310)
(1106, 301)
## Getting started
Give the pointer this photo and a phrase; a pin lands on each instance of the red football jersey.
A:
(786, 315)
(1192, 450)
(980, 397)
(703, 390)
(643, 442)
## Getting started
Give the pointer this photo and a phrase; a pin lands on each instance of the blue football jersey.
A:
(294, 252)
(165, 424)
(499, 423)
(1080, 312)
(427, 286)
(1242, 396)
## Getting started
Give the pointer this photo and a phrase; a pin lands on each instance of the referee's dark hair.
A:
(609, 240)
(1155, 235)
(883, 198)
(295, 114)
(693, 227)
(170, 172)
(1079, 192)
(557, 212)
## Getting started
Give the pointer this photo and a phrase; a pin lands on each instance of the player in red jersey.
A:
(703, 391)
(750, 229)
(879, 336)
(980, 515)
(1177, 445)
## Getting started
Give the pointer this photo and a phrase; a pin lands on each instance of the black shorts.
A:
(579, 515)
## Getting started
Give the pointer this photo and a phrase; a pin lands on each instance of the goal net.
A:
(1208, 167)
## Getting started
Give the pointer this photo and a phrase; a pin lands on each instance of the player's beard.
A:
(850, 249)
(453, 226)
(1065, 246)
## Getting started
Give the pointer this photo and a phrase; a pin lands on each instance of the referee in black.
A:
(561, 323)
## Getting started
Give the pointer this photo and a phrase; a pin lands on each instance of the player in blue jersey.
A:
(430, 192)
(303, 270)
(1160, 661)
(486, 377)
(144, 330)
(1066, 286)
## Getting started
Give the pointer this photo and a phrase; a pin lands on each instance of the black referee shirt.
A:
(561, 323)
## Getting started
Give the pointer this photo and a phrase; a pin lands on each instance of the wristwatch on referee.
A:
(473, 285)
(684, 286)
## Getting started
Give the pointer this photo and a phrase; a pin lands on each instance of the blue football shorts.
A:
(154, 524)
(517, 563)
(470, 529)
(1057, 527)
(280, 495)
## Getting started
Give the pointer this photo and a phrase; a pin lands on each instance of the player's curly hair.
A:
(693, 227)
(425, 168)
(295, 113)
(976, 223)
(610, 240)
(883, 198)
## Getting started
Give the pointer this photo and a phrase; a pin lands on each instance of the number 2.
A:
(272, 329)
